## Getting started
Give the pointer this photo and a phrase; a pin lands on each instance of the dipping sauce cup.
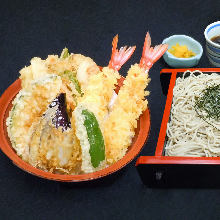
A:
(212, 47)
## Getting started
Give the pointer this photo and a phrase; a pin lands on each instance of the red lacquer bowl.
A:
(5, 144)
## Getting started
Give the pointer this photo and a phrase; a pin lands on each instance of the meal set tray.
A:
(169, 171)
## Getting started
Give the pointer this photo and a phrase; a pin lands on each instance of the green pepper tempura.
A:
(96, 140)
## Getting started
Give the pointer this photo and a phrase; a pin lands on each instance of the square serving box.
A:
(168, 171)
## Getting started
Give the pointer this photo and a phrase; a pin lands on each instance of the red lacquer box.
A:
(169, 171)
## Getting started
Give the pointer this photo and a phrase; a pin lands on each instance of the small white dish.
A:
(191, 43)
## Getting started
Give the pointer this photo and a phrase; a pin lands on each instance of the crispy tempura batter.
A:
(129, 105)
(53, 151)
(96, 98)
(40, 143)
(83, 66)
(99, 92)
(29, 105)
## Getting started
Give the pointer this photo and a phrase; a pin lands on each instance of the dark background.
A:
(39, 28)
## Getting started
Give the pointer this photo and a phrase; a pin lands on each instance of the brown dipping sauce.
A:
(216, 39)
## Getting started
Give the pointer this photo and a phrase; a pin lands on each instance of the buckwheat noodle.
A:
(187, 133)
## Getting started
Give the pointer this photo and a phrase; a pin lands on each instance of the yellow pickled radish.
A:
(181, 51)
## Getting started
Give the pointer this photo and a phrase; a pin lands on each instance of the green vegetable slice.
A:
(77, 86)
(96, 140)
(65, 53)
(71, 75)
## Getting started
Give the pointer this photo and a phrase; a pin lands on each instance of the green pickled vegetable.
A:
(96, 140)
(65, 53)
(71, 75)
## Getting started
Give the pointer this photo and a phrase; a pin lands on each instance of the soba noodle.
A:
(187, 133)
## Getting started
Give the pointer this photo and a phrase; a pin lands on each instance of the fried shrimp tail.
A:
(121, 56)
(151, 55)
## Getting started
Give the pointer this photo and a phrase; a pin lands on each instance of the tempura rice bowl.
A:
(141, 134)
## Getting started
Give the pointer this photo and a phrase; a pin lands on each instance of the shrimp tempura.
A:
(119, 128)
